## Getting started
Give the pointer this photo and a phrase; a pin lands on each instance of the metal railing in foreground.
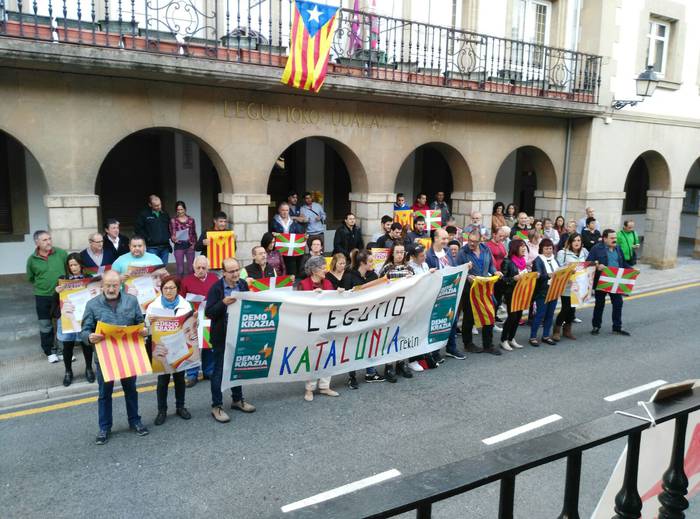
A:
(367, 45)
(419, 491)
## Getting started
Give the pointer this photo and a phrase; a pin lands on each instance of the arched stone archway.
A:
(173, 164)
(653, 207)
(527, 178)
(689, 243)
(23, 188)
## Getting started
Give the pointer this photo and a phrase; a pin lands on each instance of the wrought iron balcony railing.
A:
(366, 44)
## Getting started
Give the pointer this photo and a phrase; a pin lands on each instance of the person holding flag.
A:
(573, 252)
(259, 268)
(118, 308)
(544, 264)
(480, 263)
(274, 257)
(220, 223)
(607, 254)
(439, 204)
(284, 222)
(521, 229)
(348, 237)
(513, 268)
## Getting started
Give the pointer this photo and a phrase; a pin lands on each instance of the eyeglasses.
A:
(96, 241)
(170, 288)
(231, 271)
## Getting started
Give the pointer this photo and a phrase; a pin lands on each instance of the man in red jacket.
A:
(198, 283)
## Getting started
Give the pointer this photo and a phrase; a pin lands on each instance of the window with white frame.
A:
(658, 39)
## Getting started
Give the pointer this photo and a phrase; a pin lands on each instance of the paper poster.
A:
(142, 283)
(379, 257)
(199, 303)
(182, 235)
(122, 353)
(582, 285)
(174, 343)
(73, 298)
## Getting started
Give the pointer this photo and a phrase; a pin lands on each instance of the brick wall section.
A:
(368, 209)
(662, 228)
(464, 202)
(71, 219)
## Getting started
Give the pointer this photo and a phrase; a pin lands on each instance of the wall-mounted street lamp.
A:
(647, 82)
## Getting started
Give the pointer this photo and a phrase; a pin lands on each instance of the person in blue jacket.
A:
(607, 254)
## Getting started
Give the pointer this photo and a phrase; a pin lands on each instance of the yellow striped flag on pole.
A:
(122, 353)
(313, 26)
(481, 299)
(522, 293)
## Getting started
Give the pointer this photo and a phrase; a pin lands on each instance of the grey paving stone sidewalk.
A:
(27, 376)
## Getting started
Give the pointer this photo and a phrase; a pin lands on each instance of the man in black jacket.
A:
(220, 224)
(114, 242)
(259, 268)
(348, 237)
(154, 225)
(220, 296)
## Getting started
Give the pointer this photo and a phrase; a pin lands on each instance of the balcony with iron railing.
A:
(366, 45)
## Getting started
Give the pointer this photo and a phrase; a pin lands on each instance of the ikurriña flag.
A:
(433, 218)
(122, 352)
(222, 245)
(481, 299)
(290, 244)
(522, 293)
(617, 280)
(558, 281)
(313, 27)
(258, 285)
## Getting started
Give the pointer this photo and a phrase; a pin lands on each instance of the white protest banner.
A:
(654, 457)
(284, 336)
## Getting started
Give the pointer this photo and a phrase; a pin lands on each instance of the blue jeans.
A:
(217, 398)
(104, 400)
(545, 311)
(207, 366)
(162, 252)
(616, 300)
(452, 339)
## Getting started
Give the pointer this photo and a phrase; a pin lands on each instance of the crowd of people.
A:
(513, 245)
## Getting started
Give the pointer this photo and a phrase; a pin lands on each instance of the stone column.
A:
(464, 202)
(607, 206)
(369, 208)
(547, 204)
(662, 228)
(696, 249)
(72, 217)
(247, 213)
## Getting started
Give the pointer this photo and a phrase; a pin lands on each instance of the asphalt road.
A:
(289, 449)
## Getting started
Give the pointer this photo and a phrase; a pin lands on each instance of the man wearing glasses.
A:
(220, 296)
(95, 255)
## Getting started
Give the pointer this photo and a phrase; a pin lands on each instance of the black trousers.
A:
(162, 390)
(510, 326)
(292, 265)
(567, 313)
(468, 324)
(68, 347)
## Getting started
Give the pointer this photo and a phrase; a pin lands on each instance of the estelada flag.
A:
(122, 353)
(617, 280)
(258, 285)
(433, 218)
(222, 245)
(404, 217)
(558, 281)
(522, 293)
(481, 299)
(290, 244)
(313, 26)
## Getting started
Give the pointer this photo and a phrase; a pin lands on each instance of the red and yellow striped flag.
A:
(122, 353)
(313, 26)
(481, 299)
(558, 281)
(522, 293)
(222, 245)
(404, 217)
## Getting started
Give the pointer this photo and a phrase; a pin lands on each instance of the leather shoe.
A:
(89, 375)
(389, 376)
(622, 332)
(403, 370)
(68, 378)
(183, 413)
(549, 340)
(244, 406)
(493, 351)
(595, 331)
(160, 417)
(473, 348)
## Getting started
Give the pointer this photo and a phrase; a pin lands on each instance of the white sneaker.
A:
(53, 358)
(577, 320)
(514, 344)
(506, 346)
(415, 366)
(73, 359)
(497, 328)
(475, 330)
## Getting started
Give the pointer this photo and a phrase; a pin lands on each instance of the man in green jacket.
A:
(628, 241)
(46, 264)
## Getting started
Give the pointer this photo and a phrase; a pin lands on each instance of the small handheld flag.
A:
(481, 299)
(313, 26)
(558, 282)
(433, 218)
(290, 244)
(222, 245)
(522, 293)
(258, 285)
(122, 353)
(617, 280)
(404, 217)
